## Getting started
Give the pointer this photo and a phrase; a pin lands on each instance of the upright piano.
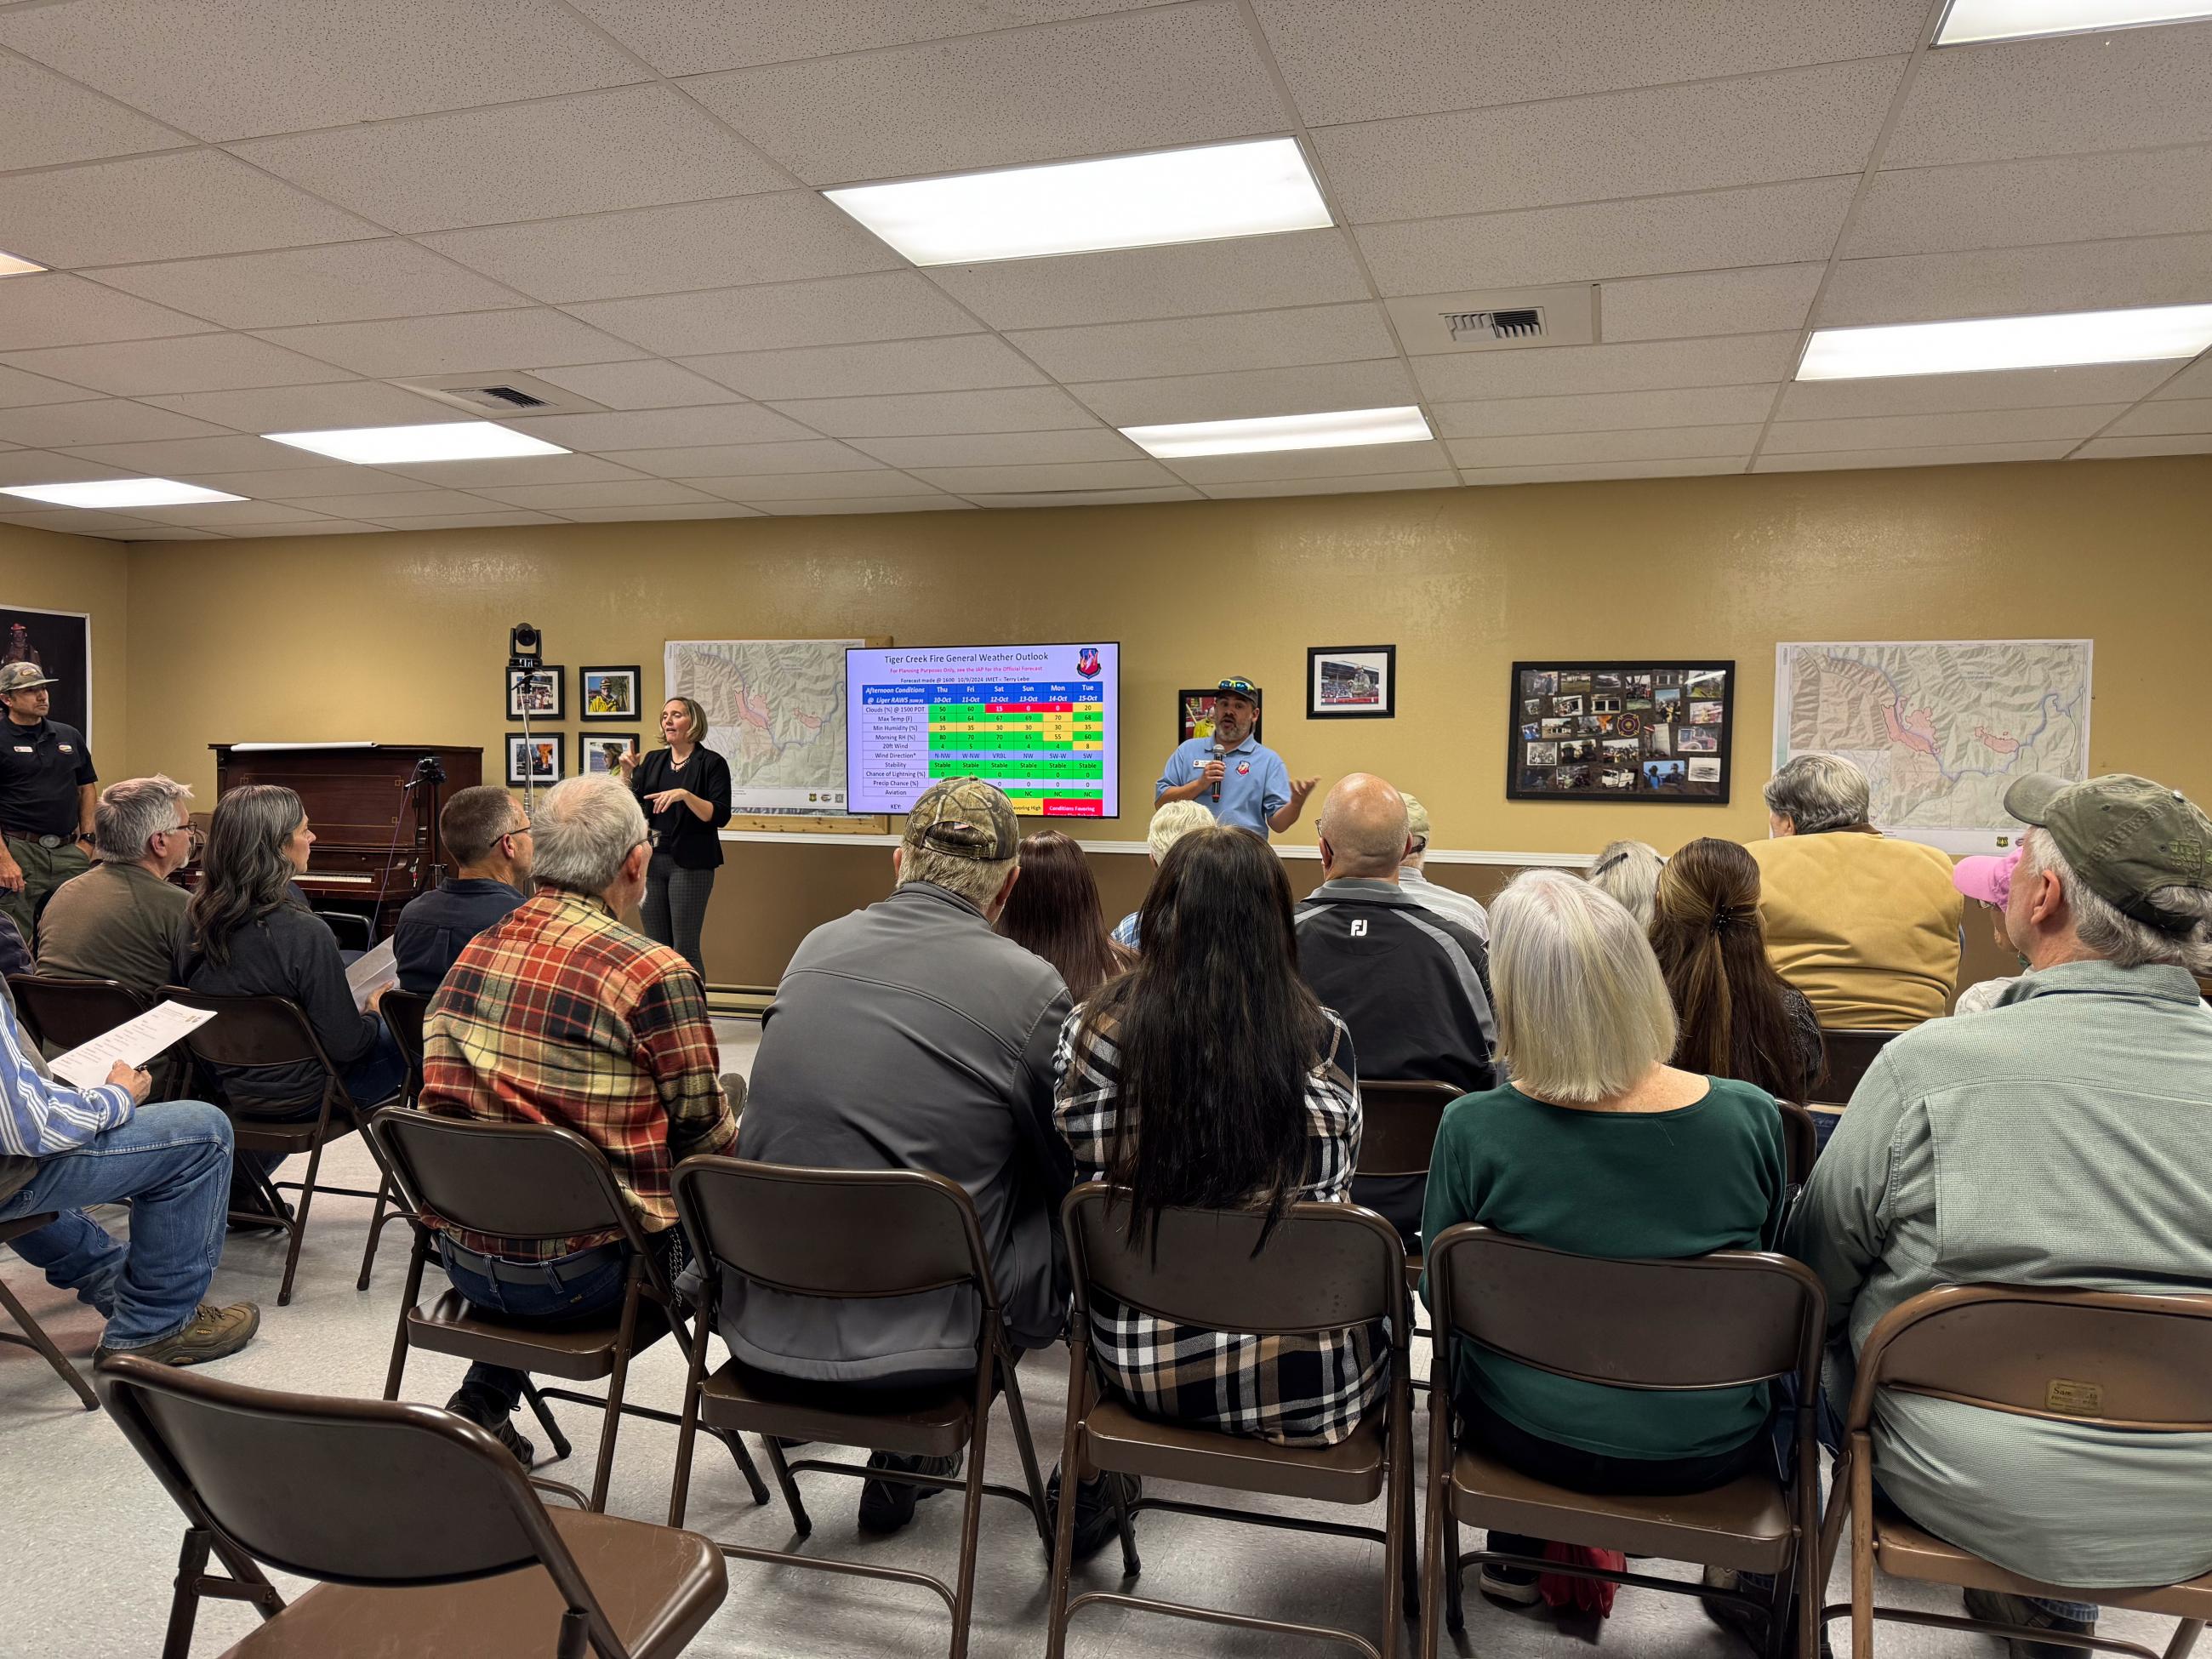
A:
(374, 808)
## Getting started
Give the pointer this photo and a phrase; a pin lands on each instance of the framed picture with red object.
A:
(1351, 682)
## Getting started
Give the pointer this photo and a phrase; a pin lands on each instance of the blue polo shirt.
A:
(1257, 787)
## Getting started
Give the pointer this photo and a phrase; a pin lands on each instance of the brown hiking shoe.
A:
(211, 1333)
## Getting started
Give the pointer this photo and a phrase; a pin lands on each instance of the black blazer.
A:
(679, 836)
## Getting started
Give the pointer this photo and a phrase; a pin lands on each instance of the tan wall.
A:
(44, 571)
(402, 637)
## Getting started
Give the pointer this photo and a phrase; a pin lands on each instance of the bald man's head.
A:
(1363, 827)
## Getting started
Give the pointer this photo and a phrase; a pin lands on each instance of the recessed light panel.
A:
(1202, 195)
(410, 446)
(11, 266)
(1986, 342)
(1340, 430)
(119, 493)
(1969, 20)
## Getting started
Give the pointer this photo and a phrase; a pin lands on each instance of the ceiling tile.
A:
(707, 465)
(2111, 89)
(1584, 471)
(788, 236)
(1756, 299)
(1380, 384)
(108, 420)
(1767, 224)
(1552, 371)
(1002, 448)
(309, 408)
(161, 207)
(2194, 381)
(2060, 198)
(1836, 460)
(662, 429)
(341, 283)
(1191, 279)
(560, 498)
(18, 389)
(924, 412)
(32, 466)
(2112, 449)
(510, 471)
(1091, 497)
(646, 384)
(1143, 81)
(844, 504)
(490, 340)
(685, 37)
(228, 68)
(2173, 414)
(1940, 394)
(1559, 449)
(1291, 465)
(896, 305)
(169, 458)
(291, 483)
(1709, 135)
(223, 515)
(1194, 345)
(1031, 480)
(957, 362)
(58, 309)
(190, 362)
(638, 147)
(76, 521)
(810, 486)
(1903, 431)
(44, 120)
(1336, 486)
(629, 514)
(469, 520)
(402, 503)
(1384, 57)
(1606, 411)
(2013, 282)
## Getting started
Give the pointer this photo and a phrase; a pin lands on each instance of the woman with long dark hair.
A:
(1054, 912)
(1738, 1017)
(1208, 1077)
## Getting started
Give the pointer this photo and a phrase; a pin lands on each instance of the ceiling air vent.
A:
(1500, 320)
(503, 394)
(1521, 323)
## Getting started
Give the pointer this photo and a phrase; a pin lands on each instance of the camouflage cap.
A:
(2125, 836)
(23, 677)
(965, 818)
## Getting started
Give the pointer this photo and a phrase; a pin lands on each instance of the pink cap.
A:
(1987, 877)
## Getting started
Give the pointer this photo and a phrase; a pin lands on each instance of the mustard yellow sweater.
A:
(1866, 927)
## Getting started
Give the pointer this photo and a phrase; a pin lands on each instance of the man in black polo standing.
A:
(46, 798)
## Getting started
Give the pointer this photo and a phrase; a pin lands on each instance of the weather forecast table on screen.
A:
(1038, 721)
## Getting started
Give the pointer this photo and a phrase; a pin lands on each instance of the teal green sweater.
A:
(1711, 1176)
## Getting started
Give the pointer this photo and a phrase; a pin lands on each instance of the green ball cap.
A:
(965, 818)
(2125, 836)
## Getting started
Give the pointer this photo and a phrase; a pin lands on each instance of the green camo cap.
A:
(2125, 835)
(965, 817)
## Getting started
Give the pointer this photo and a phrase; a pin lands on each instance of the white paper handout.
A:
(374, 970)
(134, 1043)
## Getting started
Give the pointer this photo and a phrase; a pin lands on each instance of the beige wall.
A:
(402, 637)
(44, 571)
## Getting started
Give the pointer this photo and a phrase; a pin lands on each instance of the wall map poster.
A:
(1622, 730)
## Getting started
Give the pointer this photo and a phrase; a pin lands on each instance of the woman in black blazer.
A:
(685, 791)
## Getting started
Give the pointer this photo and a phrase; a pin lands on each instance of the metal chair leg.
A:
(801, 1523)
(2184, 1638)
(1454, 1591)
(735, 1445)
(543, 1413)
(376, 1221)
(1117, 1491)
(298, 1227)
(35, 1337)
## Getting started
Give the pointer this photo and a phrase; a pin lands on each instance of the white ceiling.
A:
(260, 214)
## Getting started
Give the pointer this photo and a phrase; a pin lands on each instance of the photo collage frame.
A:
(1625, 730)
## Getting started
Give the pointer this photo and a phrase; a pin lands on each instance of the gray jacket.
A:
(908, 1035)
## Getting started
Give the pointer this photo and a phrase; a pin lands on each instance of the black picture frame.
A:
(551, 673)
(557, 746)
(588, 743)
(60, 643)
(632, 671)
(1350, 704)
(1194, 704)
(1564, 744)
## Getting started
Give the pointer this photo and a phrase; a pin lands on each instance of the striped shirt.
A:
(40, 1115)
(560, 1014)
(1299, 1389)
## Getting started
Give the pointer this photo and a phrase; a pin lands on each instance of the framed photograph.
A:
(60, 642)
(535, 692)
(598, 754)
(1351, 682)
(533, 759)
(1194, 712)
(607, 694)
(1644, 731)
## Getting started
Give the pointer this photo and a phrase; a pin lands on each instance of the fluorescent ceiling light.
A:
(11, 266)
(1985, 342)
(120, 492)
(1339, 429)
(407, 446)
(1969, 20)
(1202, 194)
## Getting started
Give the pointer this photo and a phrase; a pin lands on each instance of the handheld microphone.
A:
(1219, 752)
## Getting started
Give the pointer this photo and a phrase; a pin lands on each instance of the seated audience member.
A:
(1601, 1147)
(1411, 985)
(1736, 1016)
(560, 1013)
(1865, 924)
(1412, 878)
(486, 835)
(14, 958)
(1211, 1077)
(67, 1149)
(1171, 821)
(1627, 872)
(909, 1035)
(122, 918)
(1053, 912)
(1987, 880)
(2059, 1139)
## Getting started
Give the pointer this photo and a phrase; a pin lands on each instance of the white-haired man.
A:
(1171, 821)
(1413, 876)
(122, 918)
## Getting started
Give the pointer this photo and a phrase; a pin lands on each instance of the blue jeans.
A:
(171, 1163)
(565, 1289)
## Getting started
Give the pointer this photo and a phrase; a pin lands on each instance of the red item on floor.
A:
(1595, 1596)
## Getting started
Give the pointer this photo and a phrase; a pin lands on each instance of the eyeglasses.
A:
(1239, 684)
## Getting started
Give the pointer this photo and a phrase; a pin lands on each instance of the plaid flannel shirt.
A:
(1295, 1390)
(560, 1014)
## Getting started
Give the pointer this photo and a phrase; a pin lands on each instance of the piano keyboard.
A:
(320, 878)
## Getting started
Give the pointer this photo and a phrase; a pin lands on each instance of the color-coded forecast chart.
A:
(1040, 721)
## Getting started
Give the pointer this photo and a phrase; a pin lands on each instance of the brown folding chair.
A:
(1398, 1124)
(529, 1181)
(425, 1533)
(1709, 1321)
(2088, 1358)
(1849, 1054)
(65, 1013)
(1323, 1268)
(402, 1012)
(250, 1032)
(1801, 1139)
(35, 1336)
(850, 1235)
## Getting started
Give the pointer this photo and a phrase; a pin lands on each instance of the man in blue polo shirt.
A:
(1232, 773)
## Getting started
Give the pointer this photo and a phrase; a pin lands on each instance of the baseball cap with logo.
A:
(23, 677)
(965, 818)
(2125, 836)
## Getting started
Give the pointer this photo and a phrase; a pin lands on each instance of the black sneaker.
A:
(887, 1505)
(2001, 1610)
(1095, 1525)
(483, 1410)
(1515, 1587)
